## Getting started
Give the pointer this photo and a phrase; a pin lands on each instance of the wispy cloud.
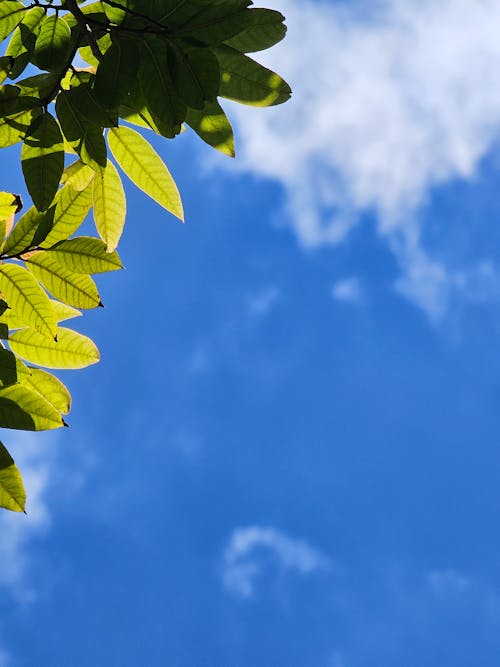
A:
(348, 290)
(243, 564)
(391, 100)
(36, 461)
(260, 303)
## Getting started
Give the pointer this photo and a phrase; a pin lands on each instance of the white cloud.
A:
(262, 302)
(391, 99)
(242, 562)
(35, 459)
(347, 290)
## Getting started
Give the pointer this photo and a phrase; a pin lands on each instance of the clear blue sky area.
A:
(282, 460)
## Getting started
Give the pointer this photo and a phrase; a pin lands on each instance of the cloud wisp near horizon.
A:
(392, 100)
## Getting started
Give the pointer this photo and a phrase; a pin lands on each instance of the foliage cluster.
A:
(75, 77)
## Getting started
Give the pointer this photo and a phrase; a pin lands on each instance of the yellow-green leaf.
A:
(12, 369)
(145, 168)
(110, 206)
(12, 492)
(72, 350)
(75, 289)
(70, 210)
(85, 255)
(24, 409)
(24, 295)
(50, 387)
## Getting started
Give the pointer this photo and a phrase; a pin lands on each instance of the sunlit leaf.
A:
(24, 295)
(110, 206)
(85, 254)
(50, 387)
(145, 168)
(25, 409)
(72, 350)
(75, 289)
(12, 491)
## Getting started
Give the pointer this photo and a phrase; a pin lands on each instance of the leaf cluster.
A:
(75, 78)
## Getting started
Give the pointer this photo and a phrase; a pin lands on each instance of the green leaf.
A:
(24, 295)
(13, 128)
(213, 126)
(53, 44)
(71, 207)
(50, 387)
(22, 44)
(9, 204)
(145, 168)
(75, 289)
(12, 369)
(110, 206)
(21, 238)
(117, 73)
(195, 73)
(72, 350)
(84, 137)
(11, 13)
(265, 29)
(85, 255)
(6, 65)
(43, 159)
(78, 176)
(25, 409)
(12, 492)
(13, 320)
(247, 82)
(161, 106)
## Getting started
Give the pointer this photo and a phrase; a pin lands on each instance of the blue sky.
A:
(289, 455)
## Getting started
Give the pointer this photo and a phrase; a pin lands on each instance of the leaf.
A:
(6, 65)
(14, 320)
(75, 289)
(247, 82)
(53, 44)
(24, 409)
(85, 255)
(22, 43)
(78, 176)
(116, 74)
(12, 369)
(9, 204)
(159, 97)
(50, 387)
(84, 137)
(24, 295)
(71, 207)
(21, 238)
(12, 492)
(13, 128)
(265, 29)
(72, 350)
(195, 73)
(145, 168)
(213, 126)
(43, 159)
(11, 13)
(110, 206)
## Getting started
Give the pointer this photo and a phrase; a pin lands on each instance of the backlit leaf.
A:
(25, 409)
(110, 206)
(12, 492)
(72, 350)
(24, 295)
(75, 289)
(145, 168)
